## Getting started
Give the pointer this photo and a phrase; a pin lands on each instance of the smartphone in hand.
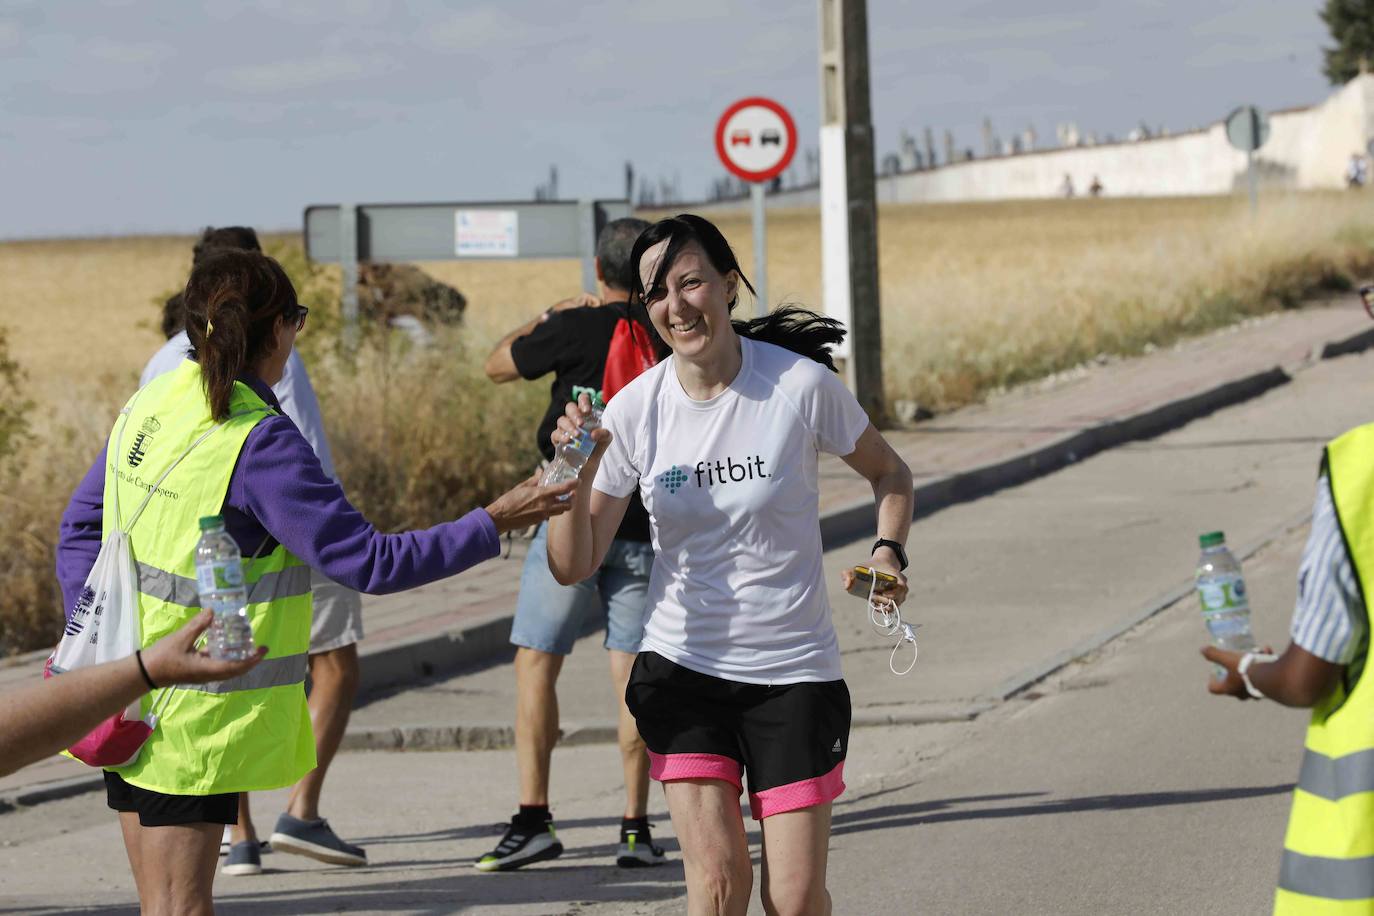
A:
(863, 581)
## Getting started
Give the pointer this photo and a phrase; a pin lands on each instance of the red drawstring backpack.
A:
(630, 353)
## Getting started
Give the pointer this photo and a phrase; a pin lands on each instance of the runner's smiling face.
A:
(690, 309)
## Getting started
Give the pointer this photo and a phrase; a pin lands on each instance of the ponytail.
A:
(233, 300)
(797, 329)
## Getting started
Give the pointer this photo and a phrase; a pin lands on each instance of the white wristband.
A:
(1243, 669)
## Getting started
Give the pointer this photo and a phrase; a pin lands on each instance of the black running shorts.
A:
(790, 739)
(158, 810)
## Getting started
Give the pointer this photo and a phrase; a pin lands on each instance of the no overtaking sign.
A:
(756, 139)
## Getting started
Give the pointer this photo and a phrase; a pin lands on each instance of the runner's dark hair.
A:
(211, 240)
(242, 294)
(790, 327)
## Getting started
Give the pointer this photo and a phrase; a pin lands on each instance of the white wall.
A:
(1308, 148)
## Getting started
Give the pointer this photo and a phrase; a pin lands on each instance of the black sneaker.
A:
(523, 843)
(637, 849)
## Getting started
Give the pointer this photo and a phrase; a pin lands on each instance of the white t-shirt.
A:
(737, 588)
(294, 392)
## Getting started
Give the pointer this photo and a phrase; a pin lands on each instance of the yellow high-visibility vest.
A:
(252, 732)
(1328, 855)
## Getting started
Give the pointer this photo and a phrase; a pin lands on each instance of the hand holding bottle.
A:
(579, 440)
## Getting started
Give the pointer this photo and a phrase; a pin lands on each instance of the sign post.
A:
(756, 139)
(1247, 128)
(760, 247)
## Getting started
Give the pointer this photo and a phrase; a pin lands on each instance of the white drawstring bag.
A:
(105, 626)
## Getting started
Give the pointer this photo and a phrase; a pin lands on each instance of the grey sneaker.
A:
(226, 843)
(243, 859)
(315, 839)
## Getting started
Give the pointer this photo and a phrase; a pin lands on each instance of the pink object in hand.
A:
(113, 743)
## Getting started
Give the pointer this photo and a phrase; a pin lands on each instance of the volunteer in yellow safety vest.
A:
(1328, 856)
(209, 439)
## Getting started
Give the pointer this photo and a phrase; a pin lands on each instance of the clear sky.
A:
(121, 117)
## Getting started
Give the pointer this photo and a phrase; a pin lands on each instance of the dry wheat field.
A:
(975, 297)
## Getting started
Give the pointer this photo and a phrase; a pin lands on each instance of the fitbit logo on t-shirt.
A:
(713, 473)
(672, 479)
(727, 471)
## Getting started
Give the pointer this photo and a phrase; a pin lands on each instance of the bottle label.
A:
(219, 575)
(581, 441)
(1223, 595)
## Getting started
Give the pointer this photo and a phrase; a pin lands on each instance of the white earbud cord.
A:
(882, 612)
(886, 618)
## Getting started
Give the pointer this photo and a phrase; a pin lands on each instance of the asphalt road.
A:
(1115, 785)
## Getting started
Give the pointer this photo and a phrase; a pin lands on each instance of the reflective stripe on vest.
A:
(251, 733)
(182, 591)
(1335, 879)
(1333, 778)
(1328, 858)
(270, 672)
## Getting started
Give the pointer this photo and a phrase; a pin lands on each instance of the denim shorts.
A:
(550, 617)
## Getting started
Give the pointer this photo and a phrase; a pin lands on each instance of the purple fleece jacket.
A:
(278, 490)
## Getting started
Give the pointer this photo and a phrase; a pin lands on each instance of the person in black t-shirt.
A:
(571, 341)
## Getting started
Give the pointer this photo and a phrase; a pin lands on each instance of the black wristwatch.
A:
(895, 547)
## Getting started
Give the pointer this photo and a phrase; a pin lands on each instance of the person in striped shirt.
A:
(1328, 623)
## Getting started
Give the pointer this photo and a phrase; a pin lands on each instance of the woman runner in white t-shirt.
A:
(739, 672)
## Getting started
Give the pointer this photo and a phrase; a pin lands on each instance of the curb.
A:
(52, 791)
(400, 664)
(844, 525)
(500, 737)
(1361, 341)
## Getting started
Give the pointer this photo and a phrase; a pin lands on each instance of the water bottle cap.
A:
(1212, 539)
(211, 522)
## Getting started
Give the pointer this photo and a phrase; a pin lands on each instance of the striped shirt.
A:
(1329, 619)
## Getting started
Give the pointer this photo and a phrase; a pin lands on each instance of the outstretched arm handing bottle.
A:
(41, 719)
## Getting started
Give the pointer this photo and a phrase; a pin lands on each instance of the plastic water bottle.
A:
(219, 580)
(1221, 591)
(570, 457)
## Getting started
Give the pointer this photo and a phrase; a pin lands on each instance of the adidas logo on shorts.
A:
(836, 748)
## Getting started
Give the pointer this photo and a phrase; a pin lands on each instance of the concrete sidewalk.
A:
(418, 637)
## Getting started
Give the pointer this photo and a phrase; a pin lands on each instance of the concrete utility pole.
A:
(849, 211)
